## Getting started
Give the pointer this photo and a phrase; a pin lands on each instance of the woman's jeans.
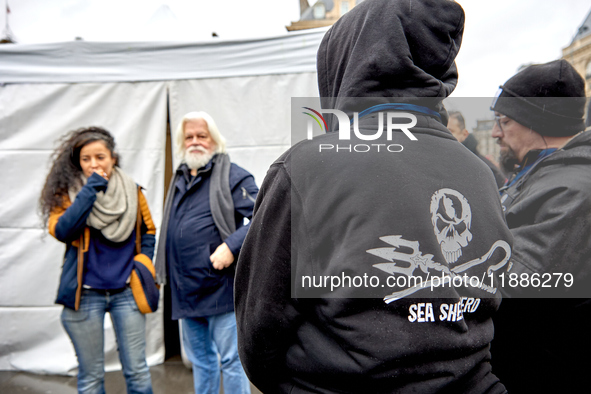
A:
(86, 330)
(203, 339)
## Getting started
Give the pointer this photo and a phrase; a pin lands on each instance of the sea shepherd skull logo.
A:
(451, 216)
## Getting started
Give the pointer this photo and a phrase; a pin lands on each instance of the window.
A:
(344, 7)
(588, 71)
(319, 10)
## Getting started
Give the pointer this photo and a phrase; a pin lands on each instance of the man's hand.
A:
(222, 257)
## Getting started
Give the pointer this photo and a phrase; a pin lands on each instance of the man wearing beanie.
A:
(328, 287)
(542, 330)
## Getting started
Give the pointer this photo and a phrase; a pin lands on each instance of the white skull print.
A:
(451, 217)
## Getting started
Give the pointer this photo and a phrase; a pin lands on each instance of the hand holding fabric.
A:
(222, 257)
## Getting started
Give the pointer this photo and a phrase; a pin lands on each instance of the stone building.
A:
(578, 53)
(487, 146)
(321, 13)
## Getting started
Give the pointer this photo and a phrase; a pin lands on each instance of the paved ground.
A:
(172, 377)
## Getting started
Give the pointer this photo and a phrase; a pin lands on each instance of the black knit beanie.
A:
(548, 98)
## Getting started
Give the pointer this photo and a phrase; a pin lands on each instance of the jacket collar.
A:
(185, 171)
(531, 159)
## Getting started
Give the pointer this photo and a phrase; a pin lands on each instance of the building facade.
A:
(322, 13)
(487, 146)
(578, 53)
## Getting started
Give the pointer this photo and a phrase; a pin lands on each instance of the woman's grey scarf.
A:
(115, 211)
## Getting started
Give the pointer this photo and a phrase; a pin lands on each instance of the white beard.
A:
(196, 160)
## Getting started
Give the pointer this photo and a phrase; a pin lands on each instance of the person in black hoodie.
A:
(542, 336)
(374, 220)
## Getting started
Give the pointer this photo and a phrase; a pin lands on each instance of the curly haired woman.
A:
(102, 216)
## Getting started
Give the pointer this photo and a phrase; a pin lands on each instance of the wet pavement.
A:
(172, 377)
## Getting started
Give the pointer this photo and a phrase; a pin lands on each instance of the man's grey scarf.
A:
(220, 196)
(221, 205)
(115, 211)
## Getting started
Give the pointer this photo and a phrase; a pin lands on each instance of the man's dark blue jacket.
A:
(197, 288)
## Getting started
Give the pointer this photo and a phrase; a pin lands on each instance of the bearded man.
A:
(542, 329)
(202, 233)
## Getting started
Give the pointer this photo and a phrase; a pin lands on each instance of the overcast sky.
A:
(499, 36)
(502, 35)
(146, 20)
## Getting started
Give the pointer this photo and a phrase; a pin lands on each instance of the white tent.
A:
(132, 90)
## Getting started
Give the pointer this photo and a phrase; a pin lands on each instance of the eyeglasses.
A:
(498, 119)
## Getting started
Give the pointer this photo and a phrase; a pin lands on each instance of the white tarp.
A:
(33, 117)
(81, 61)
(129, 89)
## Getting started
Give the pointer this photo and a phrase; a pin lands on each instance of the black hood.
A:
(402, 49)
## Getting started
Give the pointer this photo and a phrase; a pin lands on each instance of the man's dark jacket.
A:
(197, 289)
(549, 213)
(323, 214)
